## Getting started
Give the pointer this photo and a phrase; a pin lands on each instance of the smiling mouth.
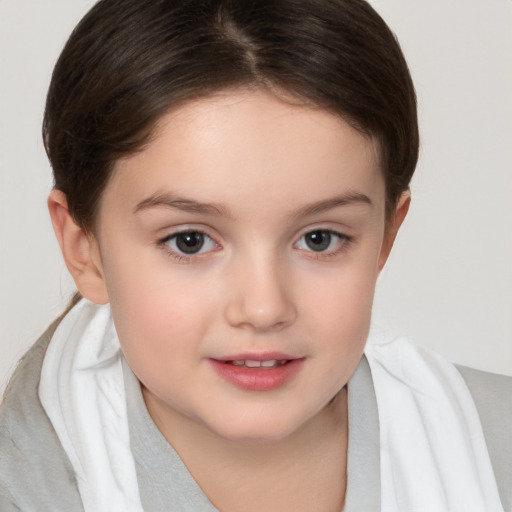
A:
(271, 363)
(257, 372)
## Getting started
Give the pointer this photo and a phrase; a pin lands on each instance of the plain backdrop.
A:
(448, 283)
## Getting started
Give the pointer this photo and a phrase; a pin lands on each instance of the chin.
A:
(256, 436)
(257, 428)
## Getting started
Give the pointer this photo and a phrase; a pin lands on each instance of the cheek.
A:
(343, 295)
(159, 316)
(341, 311)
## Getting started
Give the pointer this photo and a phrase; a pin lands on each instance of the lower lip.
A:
(257, 379)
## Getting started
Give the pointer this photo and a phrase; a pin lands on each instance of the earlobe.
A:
(394, 225)
(79, 249)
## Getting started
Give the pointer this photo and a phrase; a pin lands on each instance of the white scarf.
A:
(433, 455)
(432, 449)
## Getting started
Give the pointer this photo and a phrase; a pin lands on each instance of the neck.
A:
(299, 472)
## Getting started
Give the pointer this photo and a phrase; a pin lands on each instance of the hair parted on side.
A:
(128, 62)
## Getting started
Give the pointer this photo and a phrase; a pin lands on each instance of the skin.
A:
(270, 172)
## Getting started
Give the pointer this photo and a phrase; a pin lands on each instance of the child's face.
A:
(281, 215)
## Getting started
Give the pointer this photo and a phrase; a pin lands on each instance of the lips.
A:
(257, 372)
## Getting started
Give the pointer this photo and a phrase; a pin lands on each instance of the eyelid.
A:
(171, 231)
(178, 256)
(344, 241)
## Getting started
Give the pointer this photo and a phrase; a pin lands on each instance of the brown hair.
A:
(129, 61)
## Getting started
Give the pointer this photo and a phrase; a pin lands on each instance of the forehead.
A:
(250, 146)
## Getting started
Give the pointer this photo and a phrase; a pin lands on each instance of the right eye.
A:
(190, 243)
(322, 241)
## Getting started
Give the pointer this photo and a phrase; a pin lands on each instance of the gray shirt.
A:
(35, 473)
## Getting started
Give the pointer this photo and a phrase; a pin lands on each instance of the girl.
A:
(229, 181)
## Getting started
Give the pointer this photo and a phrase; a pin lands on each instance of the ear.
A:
(80, 250)
(393, 226)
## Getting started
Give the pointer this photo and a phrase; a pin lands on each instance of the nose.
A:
(260, 297)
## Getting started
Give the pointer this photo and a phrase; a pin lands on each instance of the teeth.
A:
(271, 363)
(252, 364)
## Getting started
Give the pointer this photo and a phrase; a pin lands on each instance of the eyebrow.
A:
(168, 200)
(187, 205)
(334, 202)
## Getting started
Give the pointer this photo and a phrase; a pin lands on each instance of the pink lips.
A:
(242, 370)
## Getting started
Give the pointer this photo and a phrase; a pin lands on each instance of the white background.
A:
(448, 283)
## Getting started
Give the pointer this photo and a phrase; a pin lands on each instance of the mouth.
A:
(257, 373)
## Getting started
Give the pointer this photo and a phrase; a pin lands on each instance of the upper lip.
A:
(263, 356)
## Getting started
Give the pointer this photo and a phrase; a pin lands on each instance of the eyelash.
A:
(344, 243)
(178, 256)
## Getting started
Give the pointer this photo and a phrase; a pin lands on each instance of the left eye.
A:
(191, 242)
(320, 240)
